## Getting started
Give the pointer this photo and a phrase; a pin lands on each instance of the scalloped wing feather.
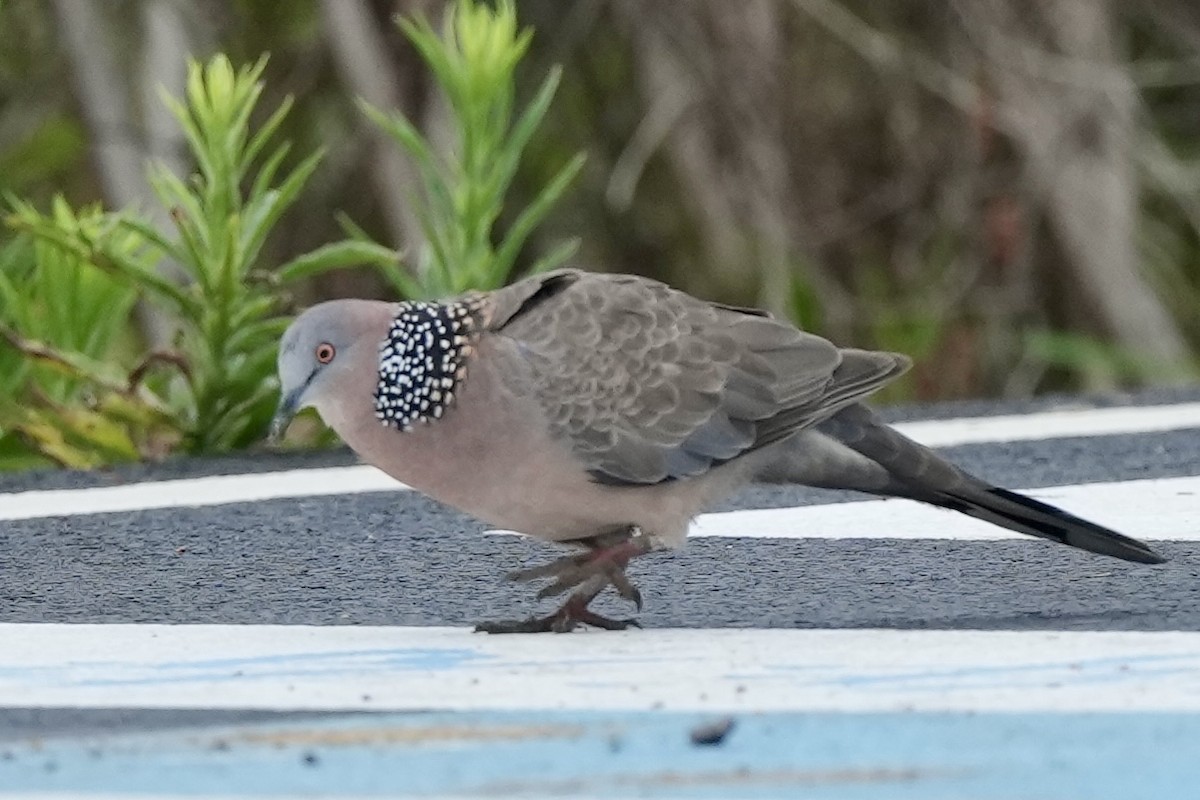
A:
(647, 384)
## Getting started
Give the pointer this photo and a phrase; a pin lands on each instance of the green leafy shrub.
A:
(78, 389)
(217, 387)
(62, 319)
(462, 191)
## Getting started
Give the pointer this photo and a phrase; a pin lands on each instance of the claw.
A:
(560, 586)
(546, 570)
(585, 575)
(531, 625)
(625, 588)
(607, 623)
(573, 613)
(572, 571)
(586, 581)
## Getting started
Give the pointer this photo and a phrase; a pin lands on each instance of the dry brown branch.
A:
(171, 358)
(1077, 143)
(105, 98)
(361, 54)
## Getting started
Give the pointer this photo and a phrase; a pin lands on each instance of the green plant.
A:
(219, 385)
(50, 294)
(1093, 364)
(462, 191)
(901, 313)
(61, 320)
(66, 351)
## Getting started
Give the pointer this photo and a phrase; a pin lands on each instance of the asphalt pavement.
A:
(399, 559)
(402, 559)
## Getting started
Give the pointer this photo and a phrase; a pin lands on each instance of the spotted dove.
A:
(607, 411)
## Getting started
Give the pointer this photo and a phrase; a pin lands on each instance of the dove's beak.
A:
(283, 415)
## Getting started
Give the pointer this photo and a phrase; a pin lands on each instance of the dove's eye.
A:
(325, 352)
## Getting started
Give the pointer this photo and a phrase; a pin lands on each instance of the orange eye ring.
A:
(325, 353)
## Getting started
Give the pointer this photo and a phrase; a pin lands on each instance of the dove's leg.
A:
(607, 558)
(588, 574)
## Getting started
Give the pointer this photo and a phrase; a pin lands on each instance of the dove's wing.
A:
(648, 384)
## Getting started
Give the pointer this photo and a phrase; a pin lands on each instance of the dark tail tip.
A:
(1042, 519)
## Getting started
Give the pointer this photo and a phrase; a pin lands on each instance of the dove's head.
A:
(323, 351)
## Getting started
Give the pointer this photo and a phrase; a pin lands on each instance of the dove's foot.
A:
(587, 574)
(573, 613)
(591, 572)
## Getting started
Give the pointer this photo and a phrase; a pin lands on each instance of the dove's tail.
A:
(1026, 515)
(916, 472)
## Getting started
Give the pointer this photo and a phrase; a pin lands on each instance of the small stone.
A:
(712, 733)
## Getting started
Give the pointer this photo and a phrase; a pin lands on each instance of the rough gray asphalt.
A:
(402, 559)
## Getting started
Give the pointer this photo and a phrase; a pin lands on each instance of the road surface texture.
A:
(269, 627)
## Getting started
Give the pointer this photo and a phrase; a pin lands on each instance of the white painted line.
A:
(382, 668)
(196, 492)
(87, 795)
(1158, 508)
(1053, 425)
(1164, 508)
(219, 490)
(187, 794)
(35, 795)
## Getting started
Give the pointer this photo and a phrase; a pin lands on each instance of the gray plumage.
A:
(609, 410)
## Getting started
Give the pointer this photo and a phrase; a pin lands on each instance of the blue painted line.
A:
(295, 665)
(286, 665)
(1082, 671)
(899, 756)
(404, 669)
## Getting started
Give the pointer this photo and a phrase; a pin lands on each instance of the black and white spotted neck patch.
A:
(421, 362)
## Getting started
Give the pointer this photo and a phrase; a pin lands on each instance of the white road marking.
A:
(1053, 425)
(1163, 508)
(87, 795)
(220, 490)
(185, 794)
(1156, 508)
(196, 492)
(386, 668)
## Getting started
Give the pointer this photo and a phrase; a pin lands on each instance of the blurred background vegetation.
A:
(1008, 190)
